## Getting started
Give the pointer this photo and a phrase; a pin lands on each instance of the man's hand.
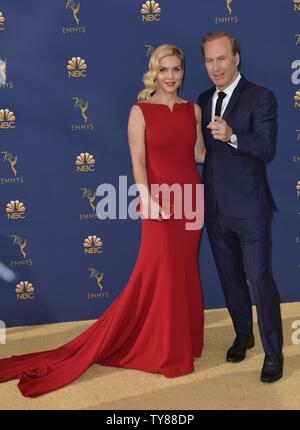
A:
(220, 130)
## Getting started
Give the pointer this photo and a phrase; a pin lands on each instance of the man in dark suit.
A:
(239, 121)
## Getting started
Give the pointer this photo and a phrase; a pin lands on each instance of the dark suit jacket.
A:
(236, 179)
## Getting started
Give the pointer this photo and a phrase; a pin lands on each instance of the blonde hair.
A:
(149, 77)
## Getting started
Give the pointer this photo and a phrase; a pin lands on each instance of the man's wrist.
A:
(233, 141)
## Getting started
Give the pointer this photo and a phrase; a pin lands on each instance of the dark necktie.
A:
(221, 96)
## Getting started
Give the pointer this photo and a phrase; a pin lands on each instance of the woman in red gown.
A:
(156, 322)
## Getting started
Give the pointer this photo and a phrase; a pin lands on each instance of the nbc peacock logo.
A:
(77, 68)
(297, 99)
(150, 11)
(2, 19)
(296, 5)
(85, 163)
(7, 119)
(15, 210)
(92, 245)
(25, 290)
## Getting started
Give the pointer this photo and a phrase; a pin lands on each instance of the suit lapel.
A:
(234, 98)
(209, 106)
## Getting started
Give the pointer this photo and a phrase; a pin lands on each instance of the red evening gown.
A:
(156, 323)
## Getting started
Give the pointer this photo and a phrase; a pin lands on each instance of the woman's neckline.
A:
(163, 104)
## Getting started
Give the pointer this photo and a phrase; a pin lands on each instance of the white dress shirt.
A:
(229, 90)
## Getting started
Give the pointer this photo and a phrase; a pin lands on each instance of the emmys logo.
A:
(3, 76)
(21, 243)
(95, 274)
(228, 2)
(24, 290)
(7, 119)
(85, 162)
(15, 210)
(2, 19)
(98, 276)
(227, 19)
(74, 6)
(76, 67)
(296, 5)
(12, 161)
(90, 196)
(79, 103)
(150, 11)
(150, 49)
(92, 245)
(297, 99)
(2, 72)
(298, 189)
(83, 106)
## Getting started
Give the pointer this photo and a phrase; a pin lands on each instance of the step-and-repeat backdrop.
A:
(69, 72)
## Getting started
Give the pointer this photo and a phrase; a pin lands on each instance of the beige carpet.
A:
(215, 384)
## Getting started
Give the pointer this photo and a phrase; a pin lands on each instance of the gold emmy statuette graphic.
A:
(2, 19)
(150, 11)
(85, 162)
(76, 67)
(90, 196)
(92, 245)
(98, 276)
(24, 290)
(298, 186)
(11, 159)
(7, 119)
(297, 39)
(15, 210)
(79, 103)
(74, 5)
(2, 71)
(228, 2)
(21, 244)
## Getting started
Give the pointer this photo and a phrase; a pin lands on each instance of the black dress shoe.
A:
(240, 345)
(272, 369)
